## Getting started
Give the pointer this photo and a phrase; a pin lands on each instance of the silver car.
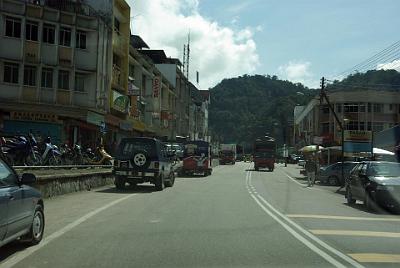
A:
(332, 174)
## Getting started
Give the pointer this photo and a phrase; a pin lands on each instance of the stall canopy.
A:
(310, 148)
(375, 150)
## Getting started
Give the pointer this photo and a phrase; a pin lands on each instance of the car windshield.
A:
(385, 169)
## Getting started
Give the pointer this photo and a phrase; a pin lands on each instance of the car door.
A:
(18, 216)
(353, 179)
(4, 198)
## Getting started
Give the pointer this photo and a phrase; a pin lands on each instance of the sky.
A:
(297, 40)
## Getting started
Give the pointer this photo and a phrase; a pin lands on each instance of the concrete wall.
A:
(54, 185)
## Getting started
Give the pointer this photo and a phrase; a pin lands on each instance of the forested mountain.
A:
(246, 107)
(373, 79)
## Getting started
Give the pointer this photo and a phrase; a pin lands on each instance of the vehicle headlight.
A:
(385, 187)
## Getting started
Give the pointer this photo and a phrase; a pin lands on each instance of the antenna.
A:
(188, 56)
(184, 59)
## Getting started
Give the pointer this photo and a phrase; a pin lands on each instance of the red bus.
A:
(264, 153)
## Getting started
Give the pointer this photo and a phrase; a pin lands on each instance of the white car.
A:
(301, 162)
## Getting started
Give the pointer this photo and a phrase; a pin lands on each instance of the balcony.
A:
(31, 52)
(116, 79)
(65, 56)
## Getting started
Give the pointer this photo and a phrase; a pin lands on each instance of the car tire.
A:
(349, 197)
(35, 234)
(120, 183)
(333, 180)
(171, 180)
(159, 183)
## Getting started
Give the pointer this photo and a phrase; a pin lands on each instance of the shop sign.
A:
(120, 102)
(95, 118)
(126, 125)
(133, 90)
(357, 135)
(156, 86)
(34, 116)
(139, 125)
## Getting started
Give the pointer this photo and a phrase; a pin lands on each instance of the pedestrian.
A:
(310, 169)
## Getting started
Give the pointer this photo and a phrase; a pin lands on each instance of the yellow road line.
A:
(332, 217)
(376, 257)
(356, 233)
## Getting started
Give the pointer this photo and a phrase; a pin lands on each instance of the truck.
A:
(227, 154)
(264, 152)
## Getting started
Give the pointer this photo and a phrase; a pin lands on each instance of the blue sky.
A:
(298, 40)
(331, 36)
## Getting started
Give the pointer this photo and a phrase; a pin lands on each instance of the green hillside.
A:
(246, 107)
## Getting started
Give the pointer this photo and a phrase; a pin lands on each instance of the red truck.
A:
(264, 153)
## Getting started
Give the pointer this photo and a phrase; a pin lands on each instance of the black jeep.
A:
(141, 160)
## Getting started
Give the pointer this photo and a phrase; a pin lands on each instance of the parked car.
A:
(332, 174)
(301, 162)
(375, 183)
(21, 207)
(177, 148)
(141, 160)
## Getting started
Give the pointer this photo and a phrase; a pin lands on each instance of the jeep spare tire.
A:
(140, 160)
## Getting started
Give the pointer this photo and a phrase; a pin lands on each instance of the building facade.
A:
(357, 110)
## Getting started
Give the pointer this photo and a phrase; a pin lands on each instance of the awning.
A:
(375, 150)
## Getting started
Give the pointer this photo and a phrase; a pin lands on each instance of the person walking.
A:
(310, 169)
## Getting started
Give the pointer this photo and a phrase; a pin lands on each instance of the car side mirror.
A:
(28, 178)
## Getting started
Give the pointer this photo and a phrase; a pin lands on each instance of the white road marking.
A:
(376, 257)
(24, 254)
(333, 217)
(258, 199)
(356, 233)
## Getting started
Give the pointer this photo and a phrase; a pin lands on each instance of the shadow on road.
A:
(129, 189)
(260, 170)
(11, 249)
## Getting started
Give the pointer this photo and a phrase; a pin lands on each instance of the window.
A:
(378, 108)
(339, 107)
(13, 27)
(47, 78)
(81, 39)
(132, 70)
(362, 107)
(362, 125)
(369, 107)
(65, 37)
(30, 76)
(49, 33)
(7, 177)
(390, 107)
(79, 82)
(351, 107)
(143, 83)
(325, 109)
(377, 126)
(369, 126)
(116, 25)
(31, 31)
(63, 79)
(352, 125)
(11, 73)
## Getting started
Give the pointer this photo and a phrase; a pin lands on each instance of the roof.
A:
(156, 55)
(205, 94)
(137, 42)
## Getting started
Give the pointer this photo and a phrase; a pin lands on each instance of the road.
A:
(235, 218)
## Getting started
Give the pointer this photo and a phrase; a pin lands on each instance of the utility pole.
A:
(322, 97)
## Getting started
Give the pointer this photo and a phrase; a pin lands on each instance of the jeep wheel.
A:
(171, 180)
(120, 183)
(159, 183)
(140, 160)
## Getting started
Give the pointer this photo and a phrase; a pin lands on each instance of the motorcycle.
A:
(72, 156)
(21, 150)
(51, 154)
(101, 157)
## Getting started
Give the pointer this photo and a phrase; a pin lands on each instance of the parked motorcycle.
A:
(101, 157)
(72, 156)
(21, 150)
(51, 155)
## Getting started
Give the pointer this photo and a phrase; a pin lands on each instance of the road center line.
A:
(24, 254)
(333, 217)
(302, 239)
(356, 233)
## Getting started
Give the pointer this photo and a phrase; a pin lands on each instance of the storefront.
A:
(41, 125)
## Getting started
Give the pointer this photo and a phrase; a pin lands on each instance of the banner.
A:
(156, 86)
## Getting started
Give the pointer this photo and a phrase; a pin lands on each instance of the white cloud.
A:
(217, 52)
(394, 65)
(298, 72)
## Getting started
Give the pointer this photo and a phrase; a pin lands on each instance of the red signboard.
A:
(156, 86)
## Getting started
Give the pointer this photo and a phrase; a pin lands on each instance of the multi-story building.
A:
(52, 69)
(373, 110)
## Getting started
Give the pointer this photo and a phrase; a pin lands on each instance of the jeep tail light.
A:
(156, 165)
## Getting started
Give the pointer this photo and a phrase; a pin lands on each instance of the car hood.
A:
(386, 180)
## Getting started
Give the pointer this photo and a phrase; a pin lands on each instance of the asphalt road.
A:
(235, 218)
